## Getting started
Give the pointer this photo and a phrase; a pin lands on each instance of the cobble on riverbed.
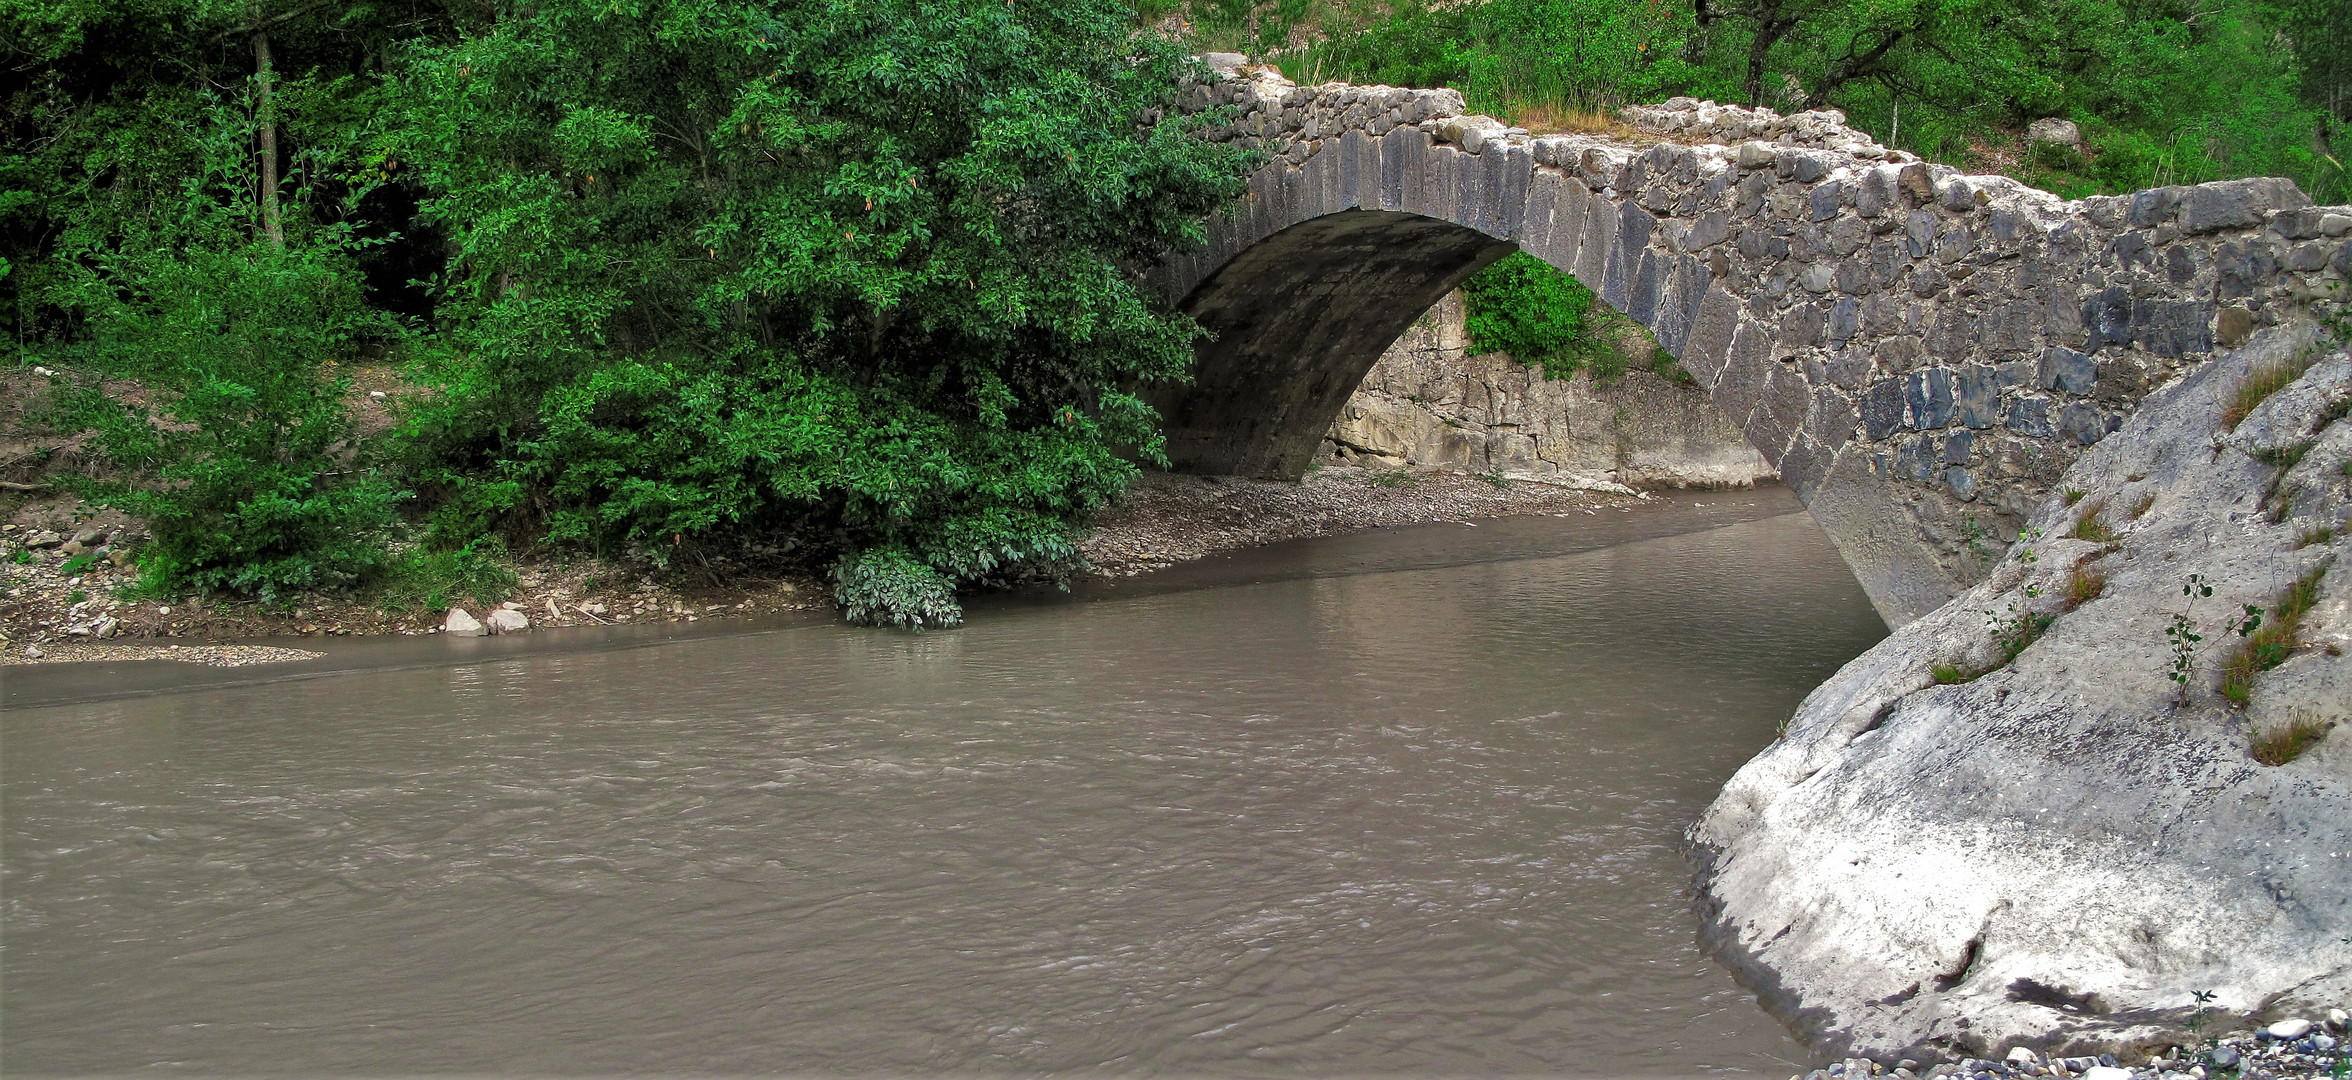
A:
(2296, 1048)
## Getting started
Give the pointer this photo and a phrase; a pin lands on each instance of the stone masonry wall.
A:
(1429, 401)
(1919, 353)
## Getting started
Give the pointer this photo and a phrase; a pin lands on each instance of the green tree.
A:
(855, 271)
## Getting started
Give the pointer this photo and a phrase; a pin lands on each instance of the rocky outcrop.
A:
(2059, 851)
(1429, 401)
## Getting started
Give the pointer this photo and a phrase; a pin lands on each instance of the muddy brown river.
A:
(1406, 802)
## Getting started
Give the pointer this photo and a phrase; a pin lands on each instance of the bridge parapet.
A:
(1920, 353)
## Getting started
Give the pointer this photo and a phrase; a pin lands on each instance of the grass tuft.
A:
(2260, 384)
(2140, 508)
(2092, 525)
(2074, 495)
(2282, 745)
(1953, 674)
(2084, 584)
(2275, 641)
(2320, 535)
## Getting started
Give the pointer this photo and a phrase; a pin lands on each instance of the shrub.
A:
(240, 464)
(437, 580)
(889, 586)
(1520, 305)
(1953, 674)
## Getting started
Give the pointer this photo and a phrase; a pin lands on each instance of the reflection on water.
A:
(1417, 821)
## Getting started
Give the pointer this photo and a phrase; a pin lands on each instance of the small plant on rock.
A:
(2018, 626)
(2140, 509)
(2084, 584)
(2074, 495)
(2183, 638)
(2266, 645)
(2260, 384)
(1952, 674)
(2092, 525)
(2282, 745)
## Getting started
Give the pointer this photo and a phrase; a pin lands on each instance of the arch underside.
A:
(1295, 323)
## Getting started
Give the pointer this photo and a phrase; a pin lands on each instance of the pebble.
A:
(2290, 1029)
(2223, 1057)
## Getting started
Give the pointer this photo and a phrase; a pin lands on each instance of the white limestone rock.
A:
(507, 620)
(2057, 853)
(461, 623)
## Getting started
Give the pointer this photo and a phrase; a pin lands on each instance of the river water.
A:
(1401, 802)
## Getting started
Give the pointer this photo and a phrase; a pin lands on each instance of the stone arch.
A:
(1918, 353)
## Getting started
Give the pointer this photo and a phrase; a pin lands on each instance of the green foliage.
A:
(671, 274)
(853, 269)
(435, 580)
(2017, 627)
(2166, 91)
(889, 586)
(245, 478)
(1521, 306)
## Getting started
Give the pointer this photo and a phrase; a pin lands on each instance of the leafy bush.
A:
(849, 269)
(891, 587)
(239, 461)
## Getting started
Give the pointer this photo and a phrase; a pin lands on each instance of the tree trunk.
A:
(270, 225)
(1758, 48)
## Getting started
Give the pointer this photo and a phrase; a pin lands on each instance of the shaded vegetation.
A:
(669, 276)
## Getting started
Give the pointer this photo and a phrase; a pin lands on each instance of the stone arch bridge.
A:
(1919, 353)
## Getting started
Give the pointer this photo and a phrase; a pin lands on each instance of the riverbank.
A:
(63, 602)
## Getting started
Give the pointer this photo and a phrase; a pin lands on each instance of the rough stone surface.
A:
(1792, 275)
(508, 621)
(2055, 131)
(461, 623)
(1429, 401)
(2058, 852)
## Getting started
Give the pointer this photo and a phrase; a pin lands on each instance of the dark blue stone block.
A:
(1930, 397)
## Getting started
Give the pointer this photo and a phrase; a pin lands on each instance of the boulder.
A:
(508, 621)
(2054, 131)
(461, 623)
(1952, 855)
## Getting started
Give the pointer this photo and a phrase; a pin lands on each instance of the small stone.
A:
(2339, 1020)
(2223, 1057)
(43, 538)
(2102, 1072)
(462, 623)
(87, 537)
(71, 548)
(164, 610)
(2294, 1028)
(105, 626)
(594, 609)
(509, 621)
(2019, 1055)
(375, 393)
(33, 652)
(2233, 326)
(1756, 155)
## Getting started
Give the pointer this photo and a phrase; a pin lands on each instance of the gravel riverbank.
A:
(62, 586)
